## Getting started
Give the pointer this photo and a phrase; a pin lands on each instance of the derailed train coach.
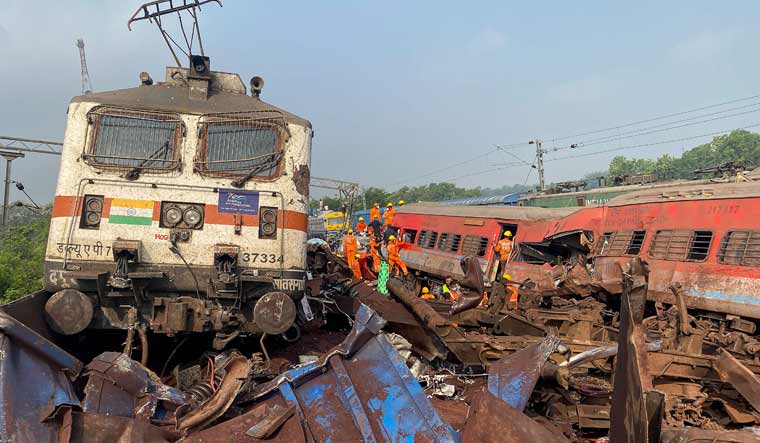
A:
(181, 206)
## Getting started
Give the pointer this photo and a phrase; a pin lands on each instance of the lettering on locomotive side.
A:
(77, 250)
(289, 284)
(258, 257)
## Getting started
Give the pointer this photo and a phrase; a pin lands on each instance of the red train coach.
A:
(438, 236)
(705, 237)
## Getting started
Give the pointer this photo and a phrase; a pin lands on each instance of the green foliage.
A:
(738, 146)
(430, 192)
(22, 255)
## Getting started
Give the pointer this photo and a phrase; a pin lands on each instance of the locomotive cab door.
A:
(493, 266)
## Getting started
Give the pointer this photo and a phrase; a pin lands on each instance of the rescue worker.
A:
(511, 291)
(360, 225)
(449, 292)
(401, 202)
(504, 247)
(350, 247)
(374, 250)
(355, 267)
(374, 213)
(394, 259)
(426, 294)
(389, 214)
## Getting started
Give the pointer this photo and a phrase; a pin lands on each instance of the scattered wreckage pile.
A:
(562, 366)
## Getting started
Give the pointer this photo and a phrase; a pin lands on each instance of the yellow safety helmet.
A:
(358, 256)
(350, 231)
(425, 290)
(401, 202)
(392, 238)
(389, 205)
(507, 233)
(361, 218)
(506, 277)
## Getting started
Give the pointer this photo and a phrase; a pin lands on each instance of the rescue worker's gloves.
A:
(357, 255)
(507, 233)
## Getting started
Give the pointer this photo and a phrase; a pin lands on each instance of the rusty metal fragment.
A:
(493, 421)
(514, 377)
(636, 414)
(731, 370)
(236, 370)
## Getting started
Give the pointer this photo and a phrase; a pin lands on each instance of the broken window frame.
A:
(473, 243)
(410, 235)
(736, 254)
(97, 118)
(276, 124)
(680, 245)
(624, 243)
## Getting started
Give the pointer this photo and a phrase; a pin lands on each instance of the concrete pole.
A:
(9, 157)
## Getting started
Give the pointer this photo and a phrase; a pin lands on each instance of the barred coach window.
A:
(133, 139)
(239, 147)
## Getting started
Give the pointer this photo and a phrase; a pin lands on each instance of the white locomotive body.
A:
(183, 204)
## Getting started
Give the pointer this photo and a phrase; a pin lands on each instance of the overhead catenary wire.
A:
(649, 120)
(667, 128)
(644, 145)
(619, 136)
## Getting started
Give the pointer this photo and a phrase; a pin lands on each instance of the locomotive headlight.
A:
(93, 218)
(192, 217)
(173, 216)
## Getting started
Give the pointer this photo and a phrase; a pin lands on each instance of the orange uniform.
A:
(350, 248)
(354, 264)
(388, 216)
(373, 249)
(394, 259)
(374, 213)
(504, 248)
(361, 226)
(512, 296)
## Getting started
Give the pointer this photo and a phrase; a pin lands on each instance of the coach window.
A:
(422, 239)
(620, 243)
(431, 240)
(449, 242)
(680, 245)
(475, 245)
(741, 248)
(240, 147)
(410, 235)
(133, 141)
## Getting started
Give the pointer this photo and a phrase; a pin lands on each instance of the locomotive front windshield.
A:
(241, 148)
(126, 139)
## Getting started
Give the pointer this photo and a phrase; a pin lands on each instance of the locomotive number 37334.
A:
(256, 257)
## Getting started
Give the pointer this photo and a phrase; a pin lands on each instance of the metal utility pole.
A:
(539, 163)
(9, 157)
(86, 85)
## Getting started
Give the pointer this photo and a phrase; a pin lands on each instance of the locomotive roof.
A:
(691, 192)
(501, 212)
(173, 96)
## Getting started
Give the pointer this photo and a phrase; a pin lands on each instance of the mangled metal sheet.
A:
(359, 391)
(35, 379)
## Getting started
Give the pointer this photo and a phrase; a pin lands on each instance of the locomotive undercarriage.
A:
(171, 300)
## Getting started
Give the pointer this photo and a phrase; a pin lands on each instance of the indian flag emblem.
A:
(131, 212)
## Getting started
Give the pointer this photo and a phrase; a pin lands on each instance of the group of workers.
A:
(380, 231)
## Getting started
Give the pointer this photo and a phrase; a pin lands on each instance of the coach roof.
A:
(500, 212)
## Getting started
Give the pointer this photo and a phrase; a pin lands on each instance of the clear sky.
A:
(396, 89)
